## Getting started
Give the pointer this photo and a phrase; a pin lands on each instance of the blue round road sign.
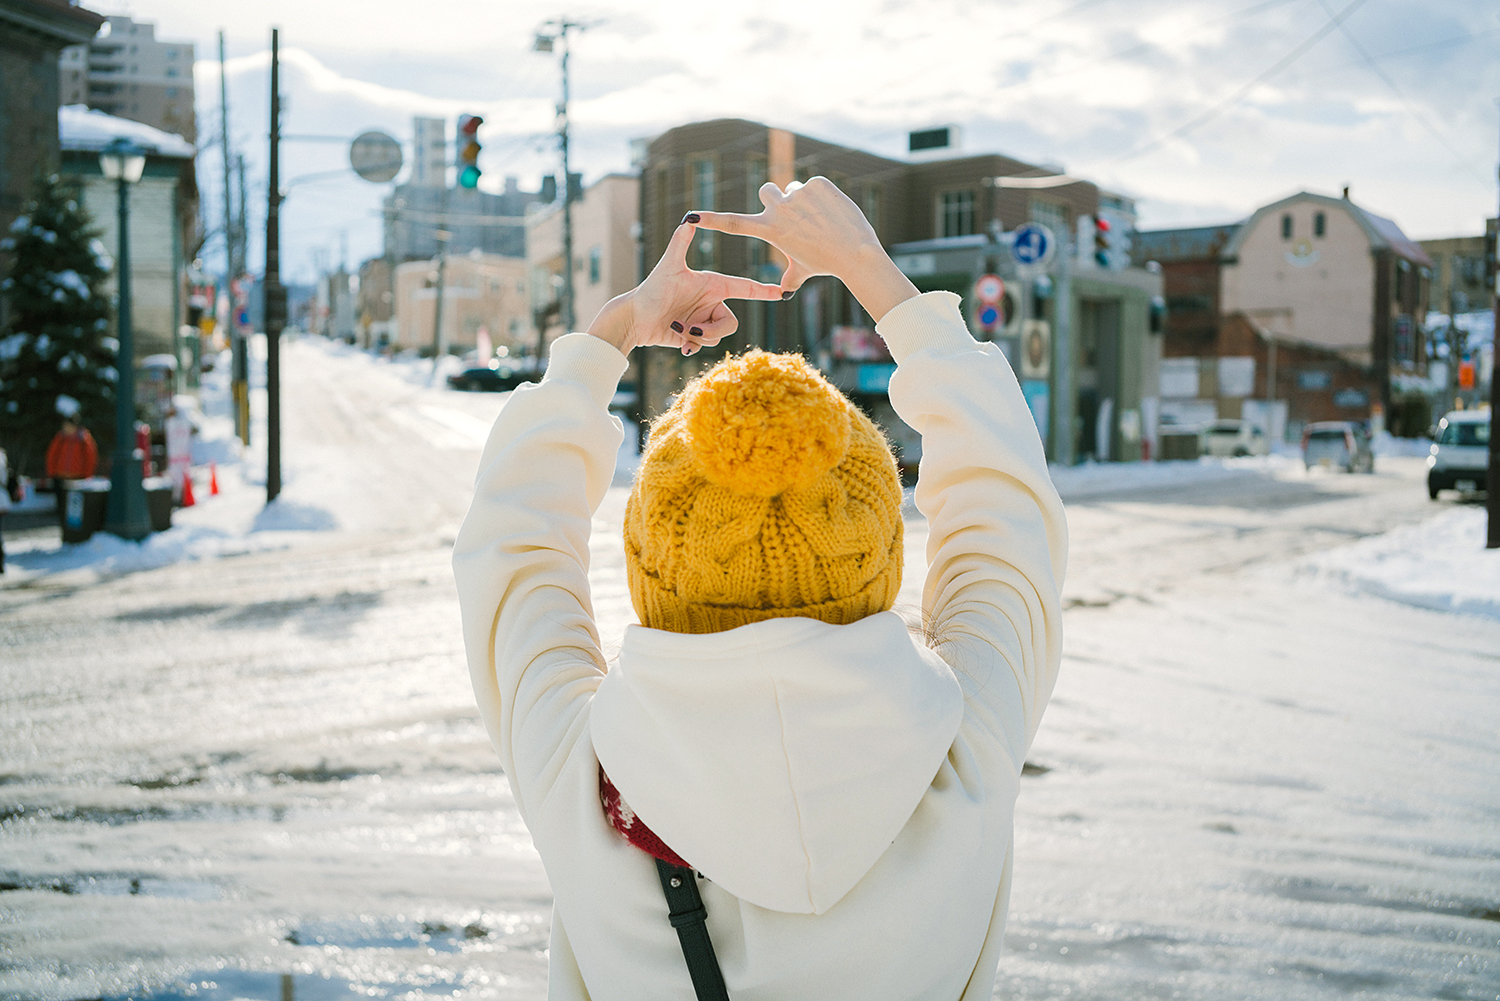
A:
(1032, 244)
(989, 316)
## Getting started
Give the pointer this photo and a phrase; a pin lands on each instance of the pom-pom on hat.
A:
(763, 493)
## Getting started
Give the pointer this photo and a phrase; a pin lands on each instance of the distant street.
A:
(1246, 785)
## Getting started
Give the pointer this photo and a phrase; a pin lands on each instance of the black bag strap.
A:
(689, 917)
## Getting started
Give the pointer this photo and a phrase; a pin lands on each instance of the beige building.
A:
(1322, 272)
(482, 293)
(605, 254)
(126, 72)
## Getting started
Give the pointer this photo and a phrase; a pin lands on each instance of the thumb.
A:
(793, 277)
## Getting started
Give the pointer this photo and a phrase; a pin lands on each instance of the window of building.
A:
(594, 261)
(171, 71)
(701, 175)
(1286, 226)
(1053, 215)
(956, 213)
(171, 53)
(1320, 224)
(756, 175)
(171, 91)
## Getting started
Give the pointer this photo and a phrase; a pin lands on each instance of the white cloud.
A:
(1086, 84)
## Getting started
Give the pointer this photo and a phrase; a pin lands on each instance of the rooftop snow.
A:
(82, 128)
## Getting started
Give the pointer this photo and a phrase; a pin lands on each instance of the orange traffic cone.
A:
(213, 479)
(187, 488)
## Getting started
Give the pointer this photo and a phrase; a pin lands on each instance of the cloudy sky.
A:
(1200, 109)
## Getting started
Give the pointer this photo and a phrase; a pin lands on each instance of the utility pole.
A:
(550, 32)
(239, 387)
(1492, 484)
(275, 294)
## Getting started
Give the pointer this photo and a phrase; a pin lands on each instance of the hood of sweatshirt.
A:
(780, 759)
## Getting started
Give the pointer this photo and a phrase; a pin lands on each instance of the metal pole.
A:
(1062, 357)
(275, 295)
(437, 310)
(239, 388)
(567, 305)
(1492, 484)
(126, 514)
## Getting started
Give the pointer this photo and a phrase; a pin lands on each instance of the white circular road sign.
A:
(375, 156)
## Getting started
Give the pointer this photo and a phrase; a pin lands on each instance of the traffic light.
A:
(1101, 241)
(468, 150)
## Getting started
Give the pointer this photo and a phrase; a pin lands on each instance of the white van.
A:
(1460, 455)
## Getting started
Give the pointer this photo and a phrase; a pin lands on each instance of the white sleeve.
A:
(521, 561)
(998, 539)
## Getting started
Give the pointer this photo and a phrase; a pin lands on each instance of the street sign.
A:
(375, 156)
(1032, 244)
(1036, 349)
(989, 315)
(989, 288)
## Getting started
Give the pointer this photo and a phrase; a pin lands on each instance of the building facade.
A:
(127, 72)
(1309, 310)
(943, 216)
(475, 220)
(1462, 279)
(163, 221)
(606, 256)
(484, 299)
(32, 34)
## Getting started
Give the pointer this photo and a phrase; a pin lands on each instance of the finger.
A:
(770, 194)
(737, 223)
(792, 278)
(732, 287)
(720, 324)
(677, 246)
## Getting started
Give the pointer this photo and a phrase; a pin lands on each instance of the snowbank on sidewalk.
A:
(1092, 478)
(1439, 564)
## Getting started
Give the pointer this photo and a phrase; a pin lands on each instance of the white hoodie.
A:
(845, 792)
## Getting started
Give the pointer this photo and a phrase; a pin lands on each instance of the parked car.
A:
(496, 377)
(1231, 437)
(1338, 443)
(1460, 454)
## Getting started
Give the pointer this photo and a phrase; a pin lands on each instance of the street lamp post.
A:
(126, 515)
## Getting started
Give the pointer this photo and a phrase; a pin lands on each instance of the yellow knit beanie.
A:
(763, 493)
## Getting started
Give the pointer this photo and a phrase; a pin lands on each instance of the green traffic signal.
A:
(469, 177)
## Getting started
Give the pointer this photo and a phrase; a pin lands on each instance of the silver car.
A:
(1343, 444)
(1460, 455)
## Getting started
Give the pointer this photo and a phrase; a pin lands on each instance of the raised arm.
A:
(521, 558)
(997, 542)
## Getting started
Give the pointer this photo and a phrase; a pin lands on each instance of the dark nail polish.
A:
(696, 331)
(677, 326)
(692, 217)
(788, 293)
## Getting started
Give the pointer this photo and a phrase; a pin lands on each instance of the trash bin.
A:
(159, 502)
(1178, 445)
(83, 508)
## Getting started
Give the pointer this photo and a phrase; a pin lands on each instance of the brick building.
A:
(720, 165)
(32, 34)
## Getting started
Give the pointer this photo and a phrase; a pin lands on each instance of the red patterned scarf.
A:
(623, 819)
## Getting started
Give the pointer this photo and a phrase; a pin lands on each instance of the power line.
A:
(1234, 98)
(1410, 107)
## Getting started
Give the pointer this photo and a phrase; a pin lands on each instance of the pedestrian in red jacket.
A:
(72, 454)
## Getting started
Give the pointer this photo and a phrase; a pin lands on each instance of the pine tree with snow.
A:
(56, 356)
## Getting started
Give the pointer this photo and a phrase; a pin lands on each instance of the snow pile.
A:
(1439, 564)
(1385, 443)
(1090, 478)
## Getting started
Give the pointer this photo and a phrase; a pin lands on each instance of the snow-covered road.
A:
(263, 775)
